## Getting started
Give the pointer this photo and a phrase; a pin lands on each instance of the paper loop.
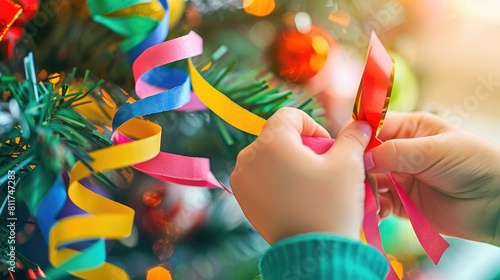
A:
(371, 106)
(140, 31)
(50, 206)
(174, 50)
(165, 101)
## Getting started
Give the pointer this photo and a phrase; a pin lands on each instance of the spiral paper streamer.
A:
(108, 219)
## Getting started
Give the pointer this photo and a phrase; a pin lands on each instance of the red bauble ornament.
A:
(9, 13)
(167, 212)
(298, 56)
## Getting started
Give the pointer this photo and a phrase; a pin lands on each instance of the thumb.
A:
(352, 139)
(402, 155)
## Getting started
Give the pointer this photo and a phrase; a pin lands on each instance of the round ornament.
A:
(298, 55)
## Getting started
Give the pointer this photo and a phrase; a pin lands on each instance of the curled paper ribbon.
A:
(113, 220)
(50, 206)
(173, 50)
(132, 19)
(224, 107)
(147, 74)
(158, 35)
(108, 219)
(376, 83)
(173, 168)
(371, 105)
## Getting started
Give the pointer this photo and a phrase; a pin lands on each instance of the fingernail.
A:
(368, 159)
(366, 129)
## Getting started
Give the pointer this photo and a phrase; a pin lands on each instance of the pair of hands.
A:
(285, 189)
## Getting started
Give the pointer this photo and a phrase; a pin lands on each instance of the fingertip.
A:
(381, 159)
(366, 129)
(298, 120)
(354, 137)
(368, 160)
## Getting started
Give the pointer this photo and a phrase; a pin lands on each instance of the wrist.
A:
(345, 229)
(322, 256)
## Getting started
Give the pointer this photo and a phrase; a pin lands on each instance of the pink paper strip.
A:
(317, 144)
(162, 54)
(191, 171)
(432, 242)
(370, 223)
(194, 104)
(370, 227)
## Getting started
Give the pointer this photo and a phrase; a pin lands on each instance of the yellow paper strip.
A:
(108, 219)
(224, 107)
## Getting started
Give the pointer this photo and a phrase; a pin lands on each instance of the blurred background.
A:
(446, 54)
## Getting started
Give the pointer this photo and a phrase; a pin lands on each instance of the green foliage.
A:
(48, 135)
(204, 134)
(254, 94)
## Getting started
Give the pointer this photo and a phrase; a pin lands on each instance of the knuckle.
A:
(243, 154)
(353, 138)
(430, 118)
(425, 115)
(283, 114)
(392, 147)
(286, 110)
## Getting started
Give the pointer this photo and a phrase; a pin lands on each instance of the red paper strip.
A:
(375, 89)
(9, 12)
(371, 106)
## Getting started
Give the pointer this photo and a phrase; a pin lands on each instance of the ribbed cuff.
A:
(321, 256)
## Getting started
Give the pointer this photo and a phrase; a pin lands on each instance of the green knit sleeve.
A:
(322, 256)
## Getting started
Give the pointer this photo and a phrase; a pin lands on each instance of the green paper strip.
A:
(91, 257)
(129, 26)
(100, 7)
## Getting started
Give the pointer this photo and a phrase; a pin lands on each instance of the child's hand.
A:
(452, 175)
(285, 189)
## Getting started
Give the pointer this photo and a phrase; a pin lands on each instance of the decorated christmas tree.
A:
(117, 121)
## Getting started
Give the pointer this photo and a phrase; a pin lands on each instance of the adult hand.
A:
(285, 189)
(452, 175)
